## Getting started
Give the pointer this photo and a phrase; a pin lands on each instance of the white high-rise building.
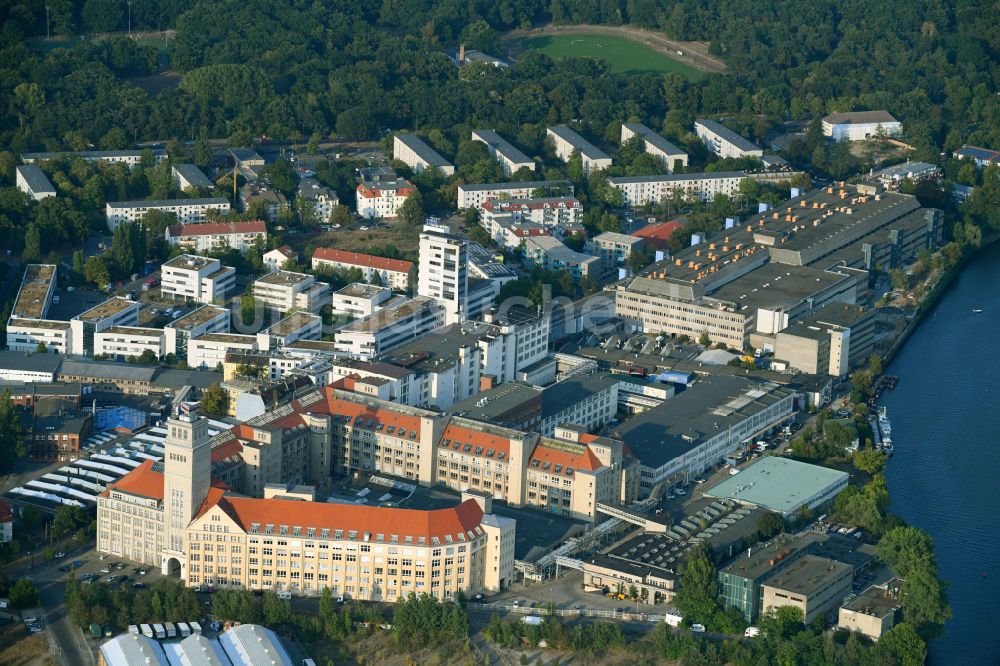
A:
(443, 275)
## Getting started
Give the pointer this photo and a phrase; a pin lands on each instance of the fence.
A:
(500, 607)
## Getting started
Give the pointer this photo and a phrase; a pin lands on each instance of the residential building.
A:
(473, 195)
(190, 177)
(873, 612)
(272, 202)
(566, 142)
(284, 291)
(390, 327)
(382, 195)
(447, 365)
(547, 211)
(359, 300)
(31, 180)
(724, 142)
(209, 350)
(698, 427)
(668, 154)
(831, 341)
(124, 342)
(296, 326)
(27, 366)
(487, 265)
(246, 158)
(503, 151)
(861, 125)
(25, 335)
(188, 211)
(981, 156)
(206, 319)
(815, 585)
(275, 259)
(131, 158)
(384, 381)
(894, 176)
(443, 273)
(550, 254)
(639, 191)
(113, 312)
(414, 153)
(395, 274)
(613, 248)
(319, 197)
(209, 236)
(195, 278)
(508, 233)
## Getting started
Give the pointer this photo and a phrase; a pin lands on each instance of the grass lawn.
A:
(623, 55)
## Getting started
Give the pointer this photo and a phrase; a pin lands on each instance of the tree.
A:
(23, 594)
(213, 400)
(276, 610)
(68, 519)
(697, 593)
(479, 35)
(770, 524)
(341, 215)
(869, 461)
(283, 176)
(32, 245)
(900, 646)
(96, 272)
(41, 348)
(411, 212)
(899, 279)
(248, 309)
(12, 446)
(906, 549)
(704, 340)
(924, 601)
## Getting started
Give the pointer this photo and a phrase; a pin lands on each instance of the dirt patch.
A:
(17, 648)
(156, 83)
(695, 54)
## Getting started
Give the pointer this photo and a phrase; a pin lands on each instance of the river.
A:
(943, 476)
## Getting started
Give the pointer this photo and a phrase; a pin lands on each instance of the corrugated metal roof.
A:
(254, 645)
(131, 649)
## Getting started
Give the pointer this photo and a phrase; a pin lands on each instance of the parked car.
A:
(697, 628)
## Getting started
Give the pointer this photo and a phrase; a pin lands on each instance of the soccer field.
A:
(623, 55)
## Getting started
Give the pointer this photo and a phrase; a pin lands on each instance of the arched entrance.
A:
(172, 567)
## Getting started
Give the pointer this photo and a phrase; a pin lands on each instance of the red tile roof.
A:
(461, 519)
(141, 481)
(213, 228)
(522, 232)
(584, 459)
(287, 251)
(358, 259)
(6, 514)
(660, 231)
(456, 434)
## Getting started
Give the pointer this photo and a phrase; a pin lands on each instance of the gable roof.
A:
(215, 228)
(358, 259)
(859, 117)
(143, 481)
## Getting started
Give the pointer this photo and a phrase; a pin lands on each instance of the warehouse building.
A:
(861, 125)
(781, 485)
(832, 340)
(815, 585)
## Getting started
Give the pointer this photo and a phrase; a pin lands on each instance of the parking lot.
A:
(565, 593)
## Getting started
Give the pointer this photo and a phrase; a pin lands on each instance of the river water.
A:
(944, 476)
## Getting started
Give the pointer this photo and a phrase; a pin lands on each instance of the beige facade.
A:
(815, 585)
(873, 612)
(665, 314)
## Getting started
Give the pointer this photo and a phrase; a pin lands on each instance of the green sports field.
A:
(623, 55)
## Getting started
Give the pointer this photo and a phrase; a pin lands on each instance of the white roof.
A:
(254, 645)
(132, 649)
(196, 650)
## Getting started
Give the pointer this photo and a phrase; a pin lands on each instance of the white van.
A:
(160, 631)
(751, 632)
(147, 630)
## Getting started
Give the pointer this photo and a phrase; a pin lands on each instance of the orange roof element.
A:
(659, 231)
(227, 450)
(214, 228)
(568, 456)
(287, 251)
(358, 259)
(142, 481)
(461, 519)
(480, 442)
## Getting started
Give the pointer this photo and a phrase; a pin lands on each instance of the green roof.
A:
(779, 484)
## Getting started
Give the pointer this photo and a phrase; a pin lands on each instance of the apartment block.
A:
(294, 327)
(206, 319)
(195, 278)
(668, 154)
(320, 198)
(552, 255)
(359, 300)
(31, 180)
(724, 142)
(642, 190)
(114, 312)
(209, 236)
(275, 259)
(566, 142)
(284, 291)
(443, 273)
(124, 342)
(188, 211)
(503, 151)
(189, 176)
(416, 154)
(390, 327)
(382, 196)
(131, 158)
(395, 274)
(270, 201)
(474, 195)
(28, 326)
(613, 248)
(547, 211)
(209, 349)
